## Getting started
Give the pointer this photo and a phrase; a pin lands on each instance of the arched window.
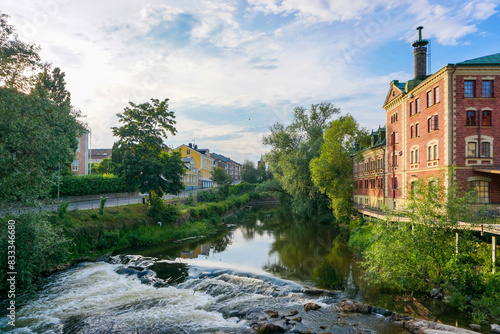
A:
(471, 118)
(486, 117)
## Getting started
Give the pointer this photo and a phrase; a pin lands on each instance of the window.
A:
(372, 163)
(414, 156)
(429, 153)
(417, 106)
(436, 155)
(471, 149)
(487, 88)
(412, 109)
(471, 118)
(482, 189)
(429, 99)
(469, 88)
(486, 118)
(436, 94)
(74, 166)
(395, 183)
(432, 123)
(366, 184)
(188, 152)
(395, 159)
(412, 131)
(396, 137)
(485, 149)
(417, 130)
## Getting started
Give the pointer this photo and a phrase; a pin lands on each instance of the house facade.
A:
(449, 118)
(96, 155)
(369, 172)
(204, 163)
(192, 175)
(80, 166)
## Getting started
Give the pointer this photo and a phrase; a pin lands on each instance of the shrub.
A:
(40, 246)
(91, 185)
(163, 212)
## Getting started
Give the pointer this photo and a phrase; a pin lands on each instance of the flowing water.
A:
(223, 283)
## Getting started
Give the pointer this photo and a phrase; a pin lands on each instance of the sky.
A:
(231, 69)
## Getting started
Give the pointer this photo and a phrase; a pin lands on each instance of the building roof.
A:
(100, 153)
(219, 156)
(493, 59)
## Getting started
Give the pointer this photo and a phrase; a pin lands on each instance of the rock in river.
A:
(311, 306)
(270, 328)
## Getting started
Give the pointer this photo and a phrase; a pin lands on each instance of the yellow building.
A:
(192, 176)
(204, 163)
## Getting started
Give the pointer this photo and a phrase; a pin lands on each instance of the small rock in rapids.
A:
(270, 328)
(272, 314)
(311, 306)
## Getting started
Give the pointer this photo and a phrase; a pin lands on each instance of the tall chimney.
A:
(420, 53)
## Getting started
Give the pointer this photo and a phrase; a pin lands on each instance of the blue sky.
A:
(233, 68)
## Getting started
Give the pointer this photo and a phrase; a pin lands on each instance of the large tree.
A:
(39, 130)
(19, 61)
(332, 170)
(293, 147)
(146, 164)
(221, 177)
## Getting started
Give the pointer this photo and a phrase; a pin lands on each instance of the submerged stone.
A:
(270, 328)
(311, 306)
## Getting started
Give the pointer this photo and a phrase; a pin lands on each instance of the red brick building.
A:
(451, 117)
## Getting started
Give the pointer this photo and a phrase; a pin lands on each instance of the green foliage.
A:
(249, 173)
(102, 205)
(146, 164)
(19, 61)
(39, 246)
(91, 185)
(220, 194)
(421, 255)
(293, 148)
(332, 172)
(106, 166)
(221, 178)
(35, 136)
(206, 210)
(61, 209)
(163, 212)
(38, 132)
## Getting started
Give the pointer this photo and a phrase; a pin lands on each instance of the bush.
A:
(39, 247)
(91, 185)
(163, 212)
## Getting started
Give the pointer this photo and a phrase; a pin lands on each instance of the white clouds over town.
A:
(232, 68)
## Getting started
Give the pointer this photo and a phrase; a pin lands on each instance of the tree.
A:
(332, 172)
(39, 131)
(146, 164)
(422, 254)
(249, 173)
(19, 61)
(221, 177)
(106, 166)
(293, 147)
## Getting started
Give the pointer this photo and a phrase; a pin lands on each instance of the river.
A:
(266, 262)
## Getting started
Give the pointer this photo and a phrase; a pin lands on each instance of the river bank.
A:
(48, 242)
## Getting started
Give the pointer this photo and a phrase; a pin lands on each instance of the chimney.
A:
(190, 145)
(420, 53)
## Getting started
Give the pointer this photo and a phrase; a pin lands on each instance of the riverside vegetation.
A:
(422, 255)
(48, 241)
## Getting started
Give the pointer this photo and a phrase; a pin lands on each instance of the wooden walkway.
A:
(483, 228)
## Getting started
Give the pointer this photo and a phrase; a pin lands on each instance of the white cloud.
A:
(210, 55)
